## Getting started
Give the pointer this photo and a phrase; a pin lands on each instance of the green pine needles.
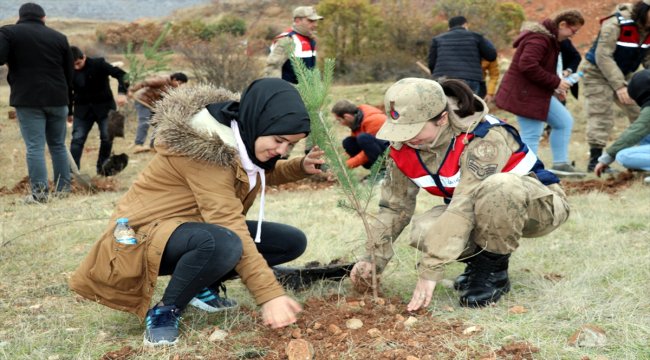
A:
(314, 89)
(155, 60)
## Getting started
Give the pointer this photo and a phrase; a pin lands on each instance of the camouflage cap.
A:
(306, 12)
(410, 103)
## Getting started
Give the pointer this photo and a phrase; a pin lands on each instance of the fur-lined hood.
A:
(531, 28)
(183, 126)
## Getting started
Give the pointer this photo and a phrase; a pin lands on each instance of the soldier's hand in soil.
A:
(361, 270)
(600, 167)
(422, 294)
(312, 161)
(280, 312)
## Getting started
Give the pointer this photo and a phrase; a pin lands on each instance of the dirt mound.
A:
(611, 185)
(360, 328)
(100, 184)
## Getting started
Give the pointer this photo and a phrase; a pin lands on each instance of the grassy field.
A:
(592, 270)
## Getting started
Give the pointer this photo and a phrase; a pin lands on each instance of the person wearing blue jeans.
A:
(40, 77)
(632, 148)
(561, 123)
(144, 115)
(38, 126)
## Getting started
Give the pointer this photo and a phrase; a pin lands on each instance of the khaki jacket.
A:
(607, 38)
(453, 227)
(195, 176)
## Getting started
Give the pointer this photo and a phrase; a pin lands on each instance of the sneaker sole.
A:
(568, 174)
(207, 308)
(150, 344)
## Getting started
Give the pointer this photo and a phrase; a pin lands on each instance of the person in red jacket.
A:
(364, 120)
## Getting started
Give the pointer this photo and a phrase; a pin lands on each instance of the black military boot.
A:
(461, 281)
(488, 280)
(594, 154)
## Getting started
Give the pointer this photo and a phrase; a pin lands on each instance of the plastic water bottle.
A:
(574, 78)
(123, 233)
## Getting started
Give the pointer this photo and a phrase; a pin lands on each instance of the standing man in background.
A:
(40, 78)
(621, 46)
(300, 40)
(92, 101)
(457, 54)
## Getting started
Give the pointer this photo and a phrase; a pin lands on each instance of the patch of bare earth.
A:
(610, 184)
(356, 328)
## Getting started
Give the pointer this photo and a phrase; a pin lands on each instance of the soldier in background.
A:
(621, 46)
(300, 40)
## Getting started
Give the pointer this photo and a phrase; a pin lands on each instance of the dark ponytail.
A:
(467, 103)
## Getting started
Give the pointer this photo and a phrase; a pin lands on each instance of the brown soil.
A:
(610, 184)
(382, 336)
(100, 184)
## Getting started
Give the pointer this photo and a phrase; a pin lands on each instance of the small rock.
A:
(391, 308)
(410, 321)
(334, 330)
(517, 309)
(309, 331)
(296, 334)
(411, 357)
(374, 332)
(355, 304)
(217, 335)
(448, 308)
(447, 283)
(299, 349)
(317, 326)
(471, 330)
(588, 336)
(354, 324)
(399, 317)
(380, 301)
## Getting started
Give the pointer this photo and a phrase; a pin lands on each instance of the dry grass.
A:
(593, 270)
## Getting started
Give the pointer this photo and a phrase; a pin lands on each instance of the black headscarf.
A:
(268, 106)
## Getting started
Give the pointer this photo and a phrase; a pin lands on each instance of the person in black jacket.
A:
(40, 78)
(92, 100)
(457, 54)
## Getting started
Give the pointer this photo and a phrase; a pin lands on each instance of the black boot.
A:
(594, 154)
(487, 281)
(461, 281)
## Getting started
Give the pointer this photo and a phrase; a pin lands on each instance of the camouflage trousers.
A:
(598, 100)
(507, 207)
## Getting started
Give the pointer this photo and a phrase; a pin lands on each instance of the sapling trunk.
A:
(314, 90)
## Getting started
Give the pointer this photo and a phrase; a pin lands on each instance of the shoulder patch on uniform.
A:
(481, 171)
(484, 150)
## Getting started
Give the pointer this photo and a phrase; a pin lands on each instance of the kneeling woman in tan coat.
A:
(188, 209)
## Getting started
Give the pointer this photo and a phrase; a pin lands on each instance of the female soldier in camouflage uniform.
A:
(494, 188)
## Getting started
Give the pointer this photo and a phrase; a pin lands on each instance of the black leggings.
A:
(198, 255)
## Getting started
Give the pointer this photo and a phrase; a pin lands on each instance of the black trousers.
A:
(367, 143)
(199, 255)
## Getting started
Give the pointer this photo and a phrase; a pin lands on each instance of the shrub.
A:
(223, 61)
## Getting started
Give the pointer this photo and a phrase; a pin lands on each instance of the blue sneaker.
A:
(162, 326)
(210, 301)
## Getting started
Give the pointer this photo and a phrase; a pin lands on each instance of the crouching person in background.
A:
(188, 208)
(364, 121)
(495, 190)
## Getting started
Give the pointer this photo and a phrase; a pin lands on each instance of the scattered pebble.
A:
(354, 324)
(374, 332)
(410, 321)
(218, 335)
(471, 330)
(334, 330)
(299, 349)
(588, 336)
